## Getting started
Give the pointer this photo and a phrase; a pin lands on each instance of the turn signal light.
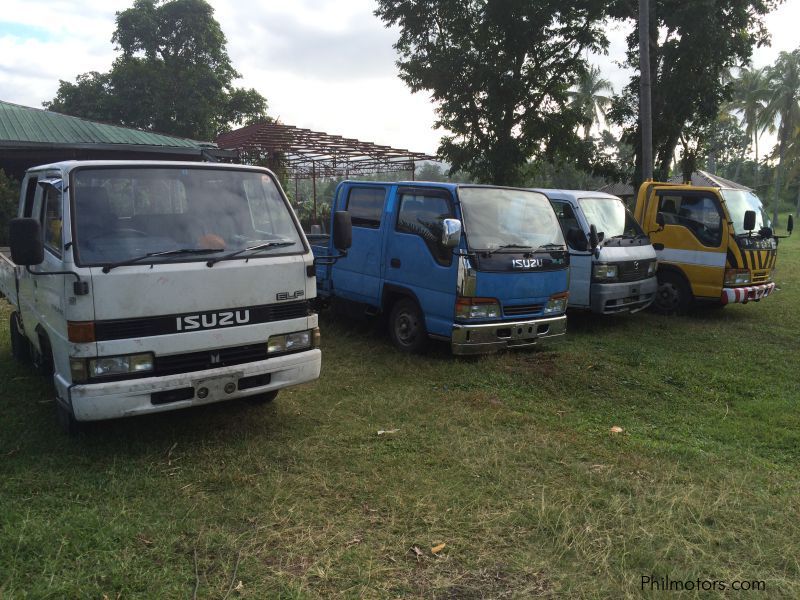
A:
(81, 332)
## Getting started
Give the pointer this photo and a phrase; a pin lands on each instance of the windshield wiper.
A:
(275, 244)
(505, 246)
(132, 261)
(550, 246)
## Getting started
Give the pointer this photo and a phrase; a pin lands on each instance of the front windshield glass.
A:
(124, 213)
(610, 217)
(495, 218)
(738, 203)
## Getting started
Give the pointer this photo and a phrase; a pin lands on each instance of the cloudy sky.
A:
(326, 65)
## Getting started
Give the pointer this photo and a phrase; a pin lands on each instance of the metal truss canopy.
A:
(310, 154)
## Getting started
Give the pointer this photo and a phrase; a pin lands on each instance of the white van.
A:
(612, 262)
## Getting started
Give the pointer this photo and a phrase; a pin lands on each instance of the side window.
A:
(696, 212)
(30, 196)
(52, 220)
(365, 206)
(423, 216)
(566, 216)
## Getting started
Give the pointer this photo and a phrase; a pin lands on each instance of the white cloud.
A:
(322, 64)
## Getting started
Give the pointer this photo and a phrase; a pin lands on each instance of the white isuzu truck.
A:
(147, 286)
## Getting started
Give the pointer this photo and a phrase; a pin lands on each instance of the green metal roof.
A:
(25, 125)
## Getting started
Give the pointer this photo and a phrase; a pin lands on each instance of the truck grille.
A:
(522, 309)
(632, 270)
(166, 324)
(209, 359)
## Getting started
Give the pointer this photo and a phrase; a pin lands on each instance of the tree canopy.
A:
(692, 45)
(500, 75)
(173, 75)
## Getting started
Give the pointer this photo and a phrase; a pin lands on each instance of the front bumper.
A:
(132, 397)
(632, 296)
(747, 293)
(486, 338)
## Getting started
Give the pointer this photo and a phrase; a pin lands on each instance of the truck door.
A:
(358, 276)
(693, 237)
(580, 261)
(417, 261)
(50, 288)
(25, 280)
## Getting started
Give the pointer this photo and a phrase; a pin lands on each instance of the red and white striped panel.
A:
(745, 294)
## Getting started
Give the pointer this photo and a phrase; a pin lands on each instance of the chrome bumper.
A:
(493, 337)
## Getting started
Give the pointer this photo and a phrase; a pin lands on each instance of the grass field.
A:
(507, 460)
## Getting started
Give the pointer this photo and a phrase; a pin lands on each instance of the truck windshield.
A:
(738, 203)
(176, 213)
(496, 218)
(610, 217)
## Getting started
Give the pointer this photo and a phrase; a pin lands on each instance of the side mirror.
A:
(790, 224)
(451, 233)
(25, 240)
(594, 239)
(660, 220)
(576, 239)
(342, 230)
(749, 220)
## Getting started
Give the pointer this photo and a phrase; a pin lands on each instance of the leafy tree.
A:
(9, 200)
(173, 75)
(588, 98)
(784, 103)
(500, 73)
(693, 45)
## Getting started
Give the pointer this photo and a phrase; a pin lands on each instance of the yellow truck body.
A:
(704, 252)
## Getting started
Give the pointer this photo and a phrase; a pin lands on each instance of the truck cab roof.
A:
(572, 196)
(68, 165)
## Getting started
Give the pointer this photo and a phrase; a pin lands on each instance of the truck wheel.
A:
(66, 420)
(673, 295)
(43, 360)
(263, 398)
(407, 326)
(20, 348)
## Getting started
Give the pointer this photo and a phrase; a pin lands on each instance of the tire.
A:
(673, 296)
(263, 398)
(43, 360)
(407, 326)
(67, 421)
(20, 347)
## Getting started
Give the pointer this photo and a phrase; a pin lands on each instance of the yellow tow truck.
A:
(715, 245)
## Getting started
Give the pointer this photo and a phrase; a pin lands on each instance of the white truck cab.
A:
(147, 286)
(612, 262)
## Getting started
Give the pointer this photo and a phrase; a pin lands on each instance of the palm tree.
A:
(750, 96)
(588, 99)
(784, 104)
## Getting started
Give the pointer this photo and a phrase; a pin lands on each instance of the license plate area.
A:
(216, 387)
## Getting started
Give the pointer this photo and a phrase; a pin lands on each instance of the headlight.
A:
(556, 304)
(82, 369)
(477, 308)
(290, 342)
(604, 272)
(652, 268)
(737, 276)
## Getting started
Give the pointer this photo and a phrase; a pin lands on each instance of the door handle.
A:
(395, 262)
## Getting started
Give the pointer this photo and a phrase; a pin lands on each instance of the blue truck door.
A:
(358, 276)
(415, 258)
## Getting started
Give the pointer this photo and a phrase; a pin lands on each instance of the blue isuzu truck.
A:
(483, 268)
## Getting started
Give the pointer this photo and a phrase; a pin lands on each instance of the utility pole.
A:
(645, 115)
